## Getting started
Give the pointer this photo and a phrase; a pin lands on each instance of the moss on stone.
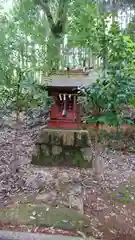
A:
(43, 215)
(82, 139)
(77, 158)
(64, 148)
(68, 157)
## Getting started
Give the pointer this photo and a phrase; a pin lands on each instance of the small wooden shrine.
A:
(64, 88)
(64, 142)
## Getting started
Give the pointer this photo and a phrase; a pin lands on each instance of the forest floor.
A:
(109, 204)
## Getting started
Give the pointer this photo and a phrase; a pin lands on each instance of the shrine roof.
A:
(67, 81)
(71, 80)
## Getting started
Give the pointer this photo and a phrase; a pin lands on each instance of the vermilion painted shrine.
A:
(66, 112)
(63, 141)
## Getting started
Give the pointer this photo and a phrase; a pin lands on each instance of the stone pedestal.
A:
(57, 147)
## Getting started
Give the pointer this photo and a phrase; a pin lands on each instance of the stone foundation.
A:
(57, 147)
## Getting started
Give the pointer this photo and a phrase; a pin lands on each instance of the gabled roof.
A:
(73, 79)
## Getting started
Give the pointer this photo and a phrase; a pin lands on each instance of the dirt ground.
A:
(110, 203)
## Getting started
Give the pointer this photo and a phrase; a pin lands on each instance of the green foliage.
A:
(28, 41)
(86, 25)
(19, 55)
(108, 94)
(131, 29)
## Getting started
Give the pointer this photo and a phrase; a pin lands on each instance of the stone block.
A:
(45, 150)
(68, 138)
(44, 137)
(55, 138)
(59, 146)
(56, 150)
(87, 154)
(82, 138)
(36, 150)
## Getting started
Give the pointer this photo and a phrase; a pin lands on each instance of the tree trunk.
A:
(53, 53)
(57, 30)
(14, 162)
(98, 162)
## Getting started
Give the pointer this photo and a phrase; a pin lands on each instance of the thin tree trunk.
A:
(53, 53)
(98, 162)
(57, 29)
(14, 161)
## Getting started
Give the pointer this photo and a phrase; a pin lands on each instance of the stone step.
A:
(43, 215)
(7, 235)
